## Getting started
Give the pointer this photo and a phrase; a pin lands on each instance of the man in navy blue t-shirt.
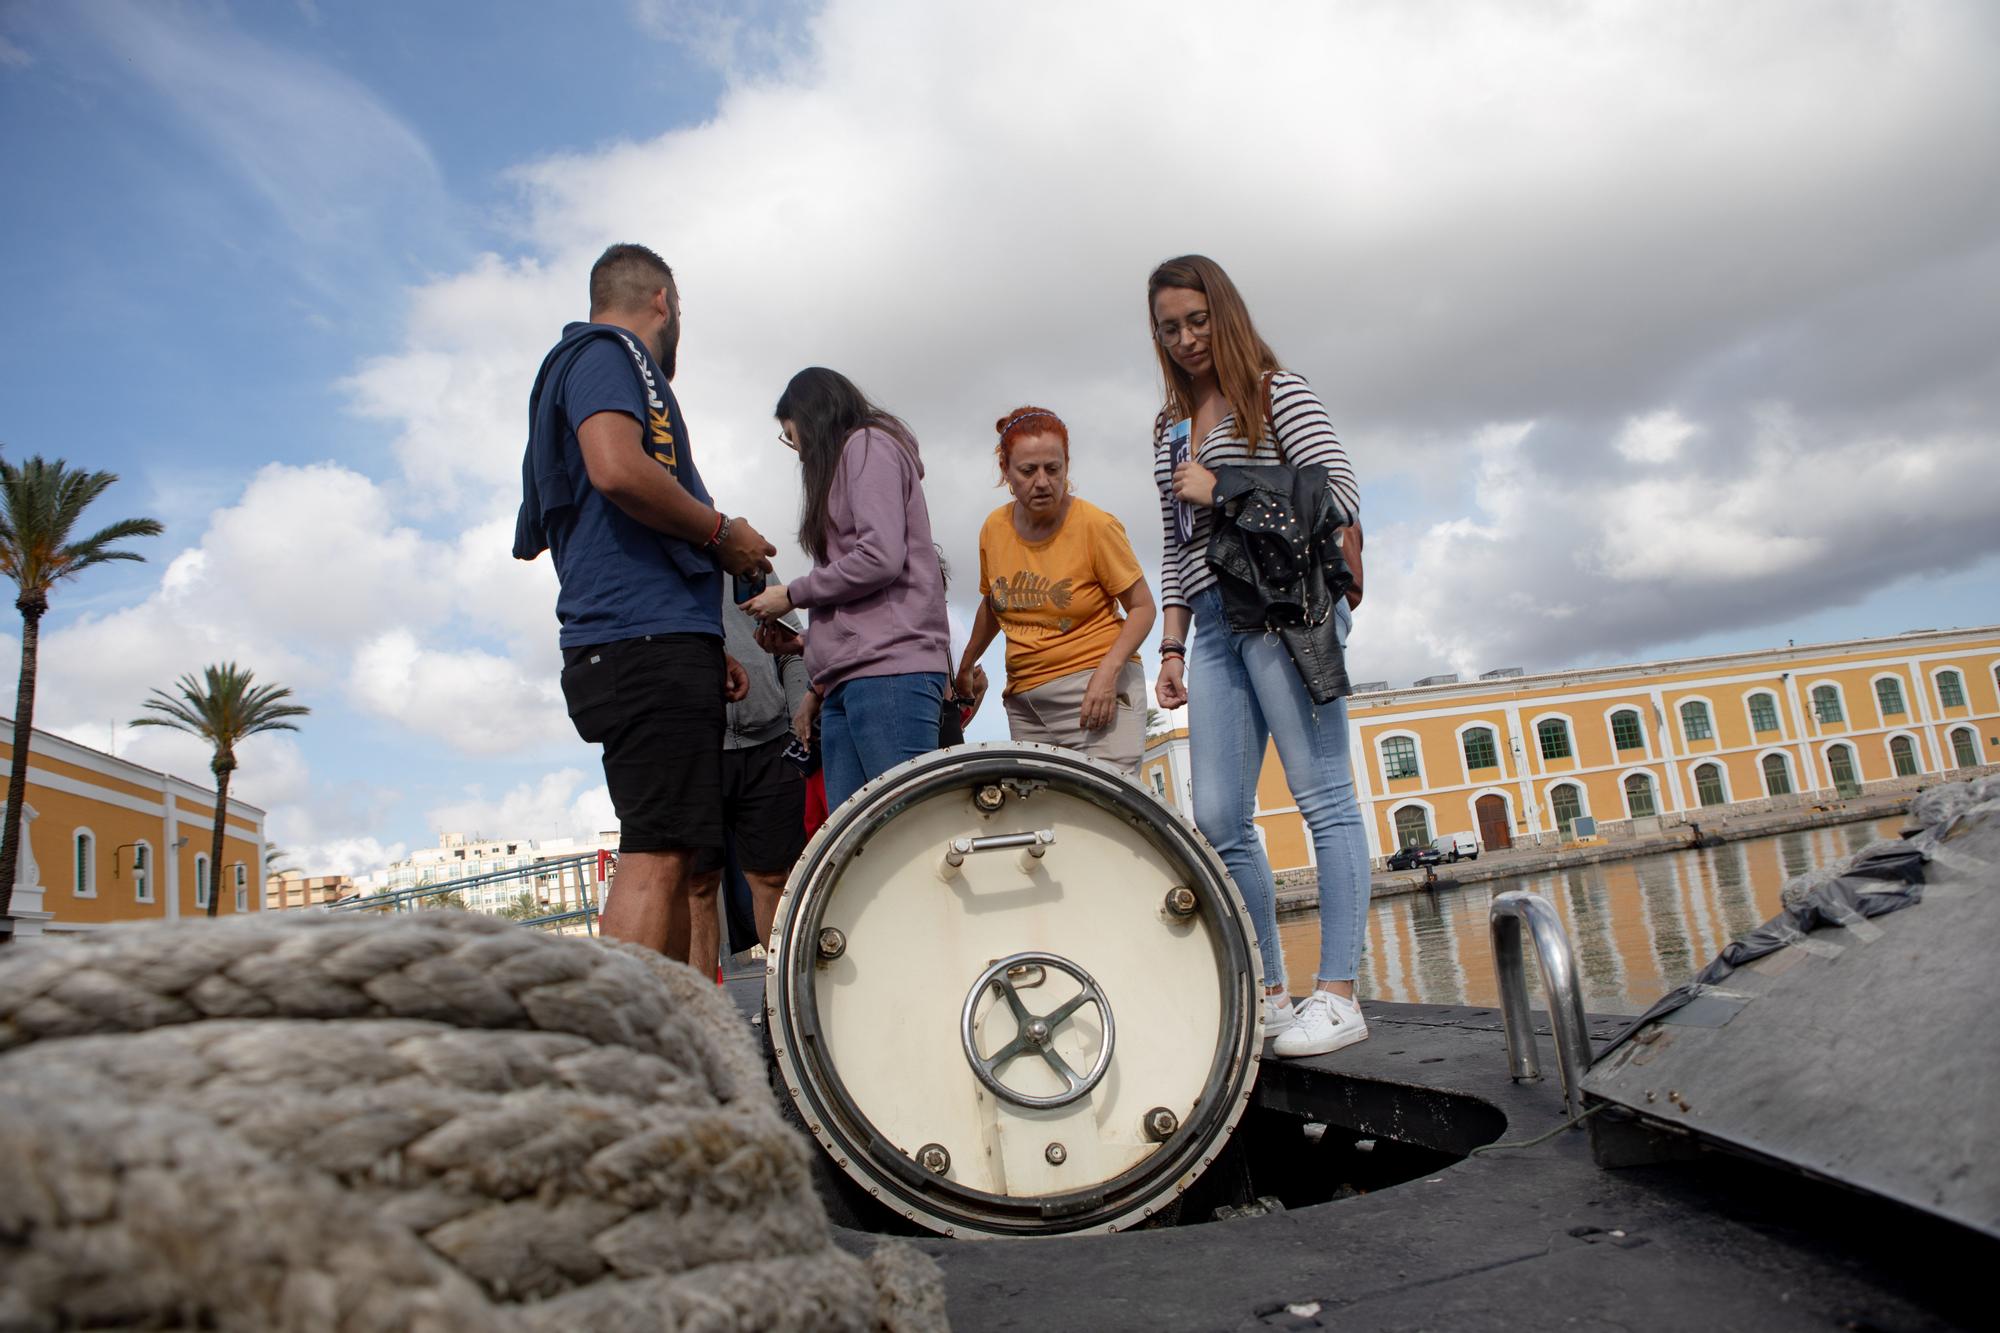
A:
(610, 490)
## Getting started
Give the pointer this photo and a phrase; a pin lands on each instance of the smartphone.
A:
(1180, 437)
(749, 585)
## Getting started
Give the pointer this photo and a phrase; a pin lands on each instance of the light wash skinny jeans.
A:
(1243, 688)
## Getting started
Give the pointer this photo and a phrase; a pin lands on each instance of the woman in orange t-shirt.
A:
(1054, 572)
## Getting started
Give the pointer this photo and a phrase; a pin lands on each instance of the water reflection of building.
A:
(1521, 758)
(1639, 927)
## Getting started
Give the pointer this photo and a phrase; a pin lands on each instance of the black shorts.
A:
(656, 705)
(764, 809)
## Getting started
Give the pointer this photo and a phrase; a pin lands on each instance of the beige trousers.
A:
(1048, 713)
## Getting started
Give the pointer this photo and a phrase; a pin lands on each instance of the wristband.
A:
(722, 524)
(1181, 653)
(1173, 648)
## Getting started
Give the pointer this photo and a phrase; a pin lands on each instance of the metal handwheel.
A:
(1037, 1031)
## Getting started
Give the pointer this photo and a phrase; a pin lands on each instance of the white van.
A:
(1456, 846)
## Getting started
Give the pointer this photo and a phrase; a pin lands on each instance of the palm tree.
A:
(40, 501)
(522, 907)
(224, 708)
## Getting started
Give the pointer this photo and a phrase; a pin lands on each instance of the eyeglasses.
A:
(788, 442)
(1169, 331)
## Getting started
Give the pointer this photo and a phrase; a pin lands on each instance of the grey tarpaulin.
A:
(1882, 877)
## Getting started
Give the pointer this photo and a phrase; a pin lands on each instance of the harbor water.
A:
(1639, 927)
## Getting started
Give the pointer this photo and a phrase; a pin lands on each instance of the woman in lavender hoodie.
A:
(879, 645)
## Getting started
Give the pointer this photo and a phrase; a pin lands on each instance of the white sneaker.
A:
(1325, 1022)
(1279, 1015)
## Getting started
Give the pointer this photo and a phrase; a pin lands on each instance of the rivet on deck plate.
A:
(933, 1158)
(832, 944)
(1161, 1124)
(1181, 901)
(1056, 1154)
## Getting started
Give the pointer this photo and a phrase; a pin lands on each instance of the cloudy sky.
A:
(1652, 329)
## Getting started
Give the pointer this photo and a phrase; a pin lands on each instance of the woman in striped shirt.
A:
(1245, 688)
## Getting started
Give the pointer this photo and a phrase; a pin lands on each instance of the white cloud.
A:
(1656, 437)
(477, 702)
(566, 803)
(317, 147)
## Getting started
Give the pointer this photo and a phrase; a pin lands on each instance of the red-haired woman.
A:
(1233, 404)
(1054, 574)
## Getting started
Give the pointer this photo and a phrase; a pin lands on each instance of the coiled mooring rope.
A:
(430, 1122)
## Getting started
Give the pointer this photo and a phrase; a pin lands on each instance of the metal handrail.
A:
(1560, 984)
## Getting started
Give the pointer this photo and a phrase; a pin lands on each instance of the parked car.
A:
(1456, 846)
(1417, 854)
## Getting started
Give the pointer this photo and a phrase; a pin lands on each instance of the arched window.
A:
(85, 860)
(1965, 747)
(1951, 689)
(1480, 752)
(1763, 712)
(201, 880)
(1554, 736)
(1399, 757)
(1708, 785)
(1695, 721)
(142, 873)
(1840, 762)
(1889, 695)
(243, 884)
(1566, 799)
(1639, 796)
(1413, 826)
(1626, 732)
(1826, 703)
(1904, 756)
(1777, 775)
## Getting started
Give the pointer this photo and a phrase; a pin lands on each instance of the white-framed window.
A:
(1479, 745)
(1903, 754)
(1777, 774)
(1840, 766)
(1889, 696)
(201, 880)
(83, 863)
(1552, 734)
(1763, 712)
(1413, 825)
(1399, 757)
(242, 887)
(1628, 730)
(1951, 689)
(1827, 703)
(142, 872)
(1566, 805)
(1639, 799)
(1696, 724)
(1965, 747)
(1711, 787)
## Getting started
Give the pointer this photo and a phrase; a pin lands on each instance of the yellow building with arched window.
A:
(108, 841)
(1522, 758)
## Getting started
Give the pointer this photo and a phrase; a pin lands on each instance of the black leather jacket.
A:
(1275, 549)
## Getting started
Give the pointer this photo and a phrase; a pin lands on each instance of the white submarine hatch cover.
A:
(1014, 994)
(1854, 1037)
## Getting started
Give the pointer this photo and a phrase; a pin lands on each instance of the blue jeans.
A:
(870, 724)
(1243, 688)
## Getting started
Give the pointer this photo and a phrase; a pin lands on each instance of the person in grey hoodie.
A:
(878, 645)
